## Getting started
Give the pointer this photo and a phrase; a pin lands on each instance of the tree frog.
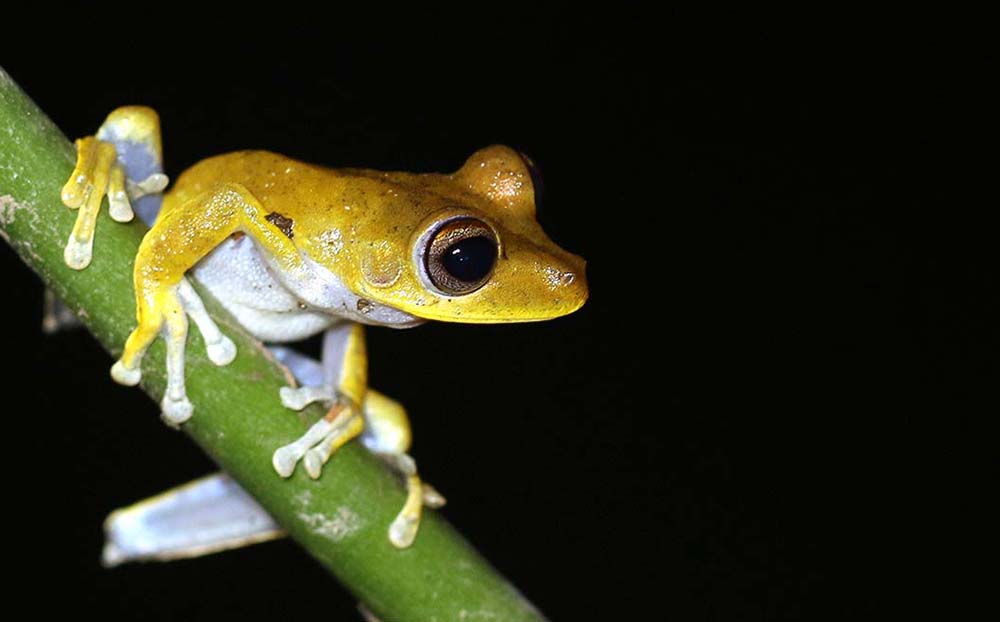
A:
(293, 249)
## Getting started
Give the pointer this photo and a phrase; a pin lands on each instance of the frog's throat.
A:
(324, 291)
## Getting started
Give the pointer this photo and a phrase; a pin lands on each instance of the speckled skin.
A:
(364, 227)
(293, 249)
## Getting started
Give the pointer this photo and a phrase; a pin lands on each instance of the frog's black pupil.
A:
(470, 259)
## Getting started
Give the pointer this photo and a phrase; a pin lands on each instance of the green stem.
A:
(341, 519)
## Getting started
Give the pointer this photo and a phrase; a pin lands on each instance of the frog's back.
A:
(272, 178)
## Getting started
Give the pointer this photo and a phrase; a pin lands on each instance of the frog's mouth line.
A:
(472, 318)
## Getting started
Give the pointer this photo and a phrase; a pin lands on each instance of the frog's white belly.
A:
(273, 310)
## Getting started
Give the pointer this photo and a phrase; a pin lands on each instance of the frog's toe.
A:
(297, 398)
(403, 530)
(78, 253)
(320, 442)
(122, 374)
(153, 184)
(95, 173)
(319, 455)
(80, 183)
(222, 352)
(285, 458)
(119, 207)
(431, 497)
(313, 462)
(290, 398)
(176, 410)
(75, 192)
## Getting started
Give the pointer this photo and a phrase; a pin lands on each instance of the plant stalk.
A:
(340, 519)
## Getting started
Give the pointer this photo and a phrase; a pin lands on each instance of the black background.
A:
(764, 411)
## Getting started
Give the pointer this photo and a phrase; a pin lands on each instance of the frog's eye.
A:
(460, 256)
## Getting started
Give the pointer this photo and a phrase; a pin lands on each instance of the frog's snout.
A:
(564, 276)
(574, 283)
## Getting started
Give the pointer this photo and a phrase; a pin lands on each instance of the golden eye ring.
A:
(460, 256)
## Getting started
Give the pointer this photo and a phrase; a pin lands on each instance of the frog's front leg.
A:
(344, 384)
(179, 238)
(386, 425)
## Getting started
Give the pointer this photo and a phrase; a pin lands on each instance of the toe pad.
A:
(176, 411)
(222, 352)
(124, 375)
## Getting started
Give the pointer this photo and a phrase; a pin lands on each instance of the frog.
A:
(292, 250)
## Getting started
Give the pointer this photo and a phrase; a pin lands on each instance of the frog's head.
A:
(476, 254)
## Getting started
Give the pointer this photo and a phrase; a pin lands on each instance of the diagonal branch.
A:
(341, 519)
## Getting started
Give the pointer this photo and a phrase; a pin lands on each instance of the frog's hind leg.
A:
(91, 180)
(388, 435)
(134, 131)
(205, 516)
(123, 161)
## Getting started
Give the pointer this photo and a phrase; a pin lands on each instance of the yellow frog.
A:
(293, 249)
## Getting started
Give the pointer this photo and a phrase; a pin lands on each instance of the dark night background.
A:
(764, 411)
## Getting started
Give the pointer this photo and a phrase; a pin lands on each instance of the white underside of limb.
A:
(285, 458)
(205, 516)
(300, 397)
(175, 405)
(309, 373)
(220, 348)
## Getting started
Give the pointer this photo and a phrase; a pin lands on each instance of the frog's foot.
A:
(167, 308)
(403, 529)
(97, 173)
(309, 374)
(314, 448)
(386, 434)
(124, 162)
(297, 398)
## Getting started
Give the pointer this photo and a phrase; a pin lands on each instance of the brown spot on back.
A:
(282, 222)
